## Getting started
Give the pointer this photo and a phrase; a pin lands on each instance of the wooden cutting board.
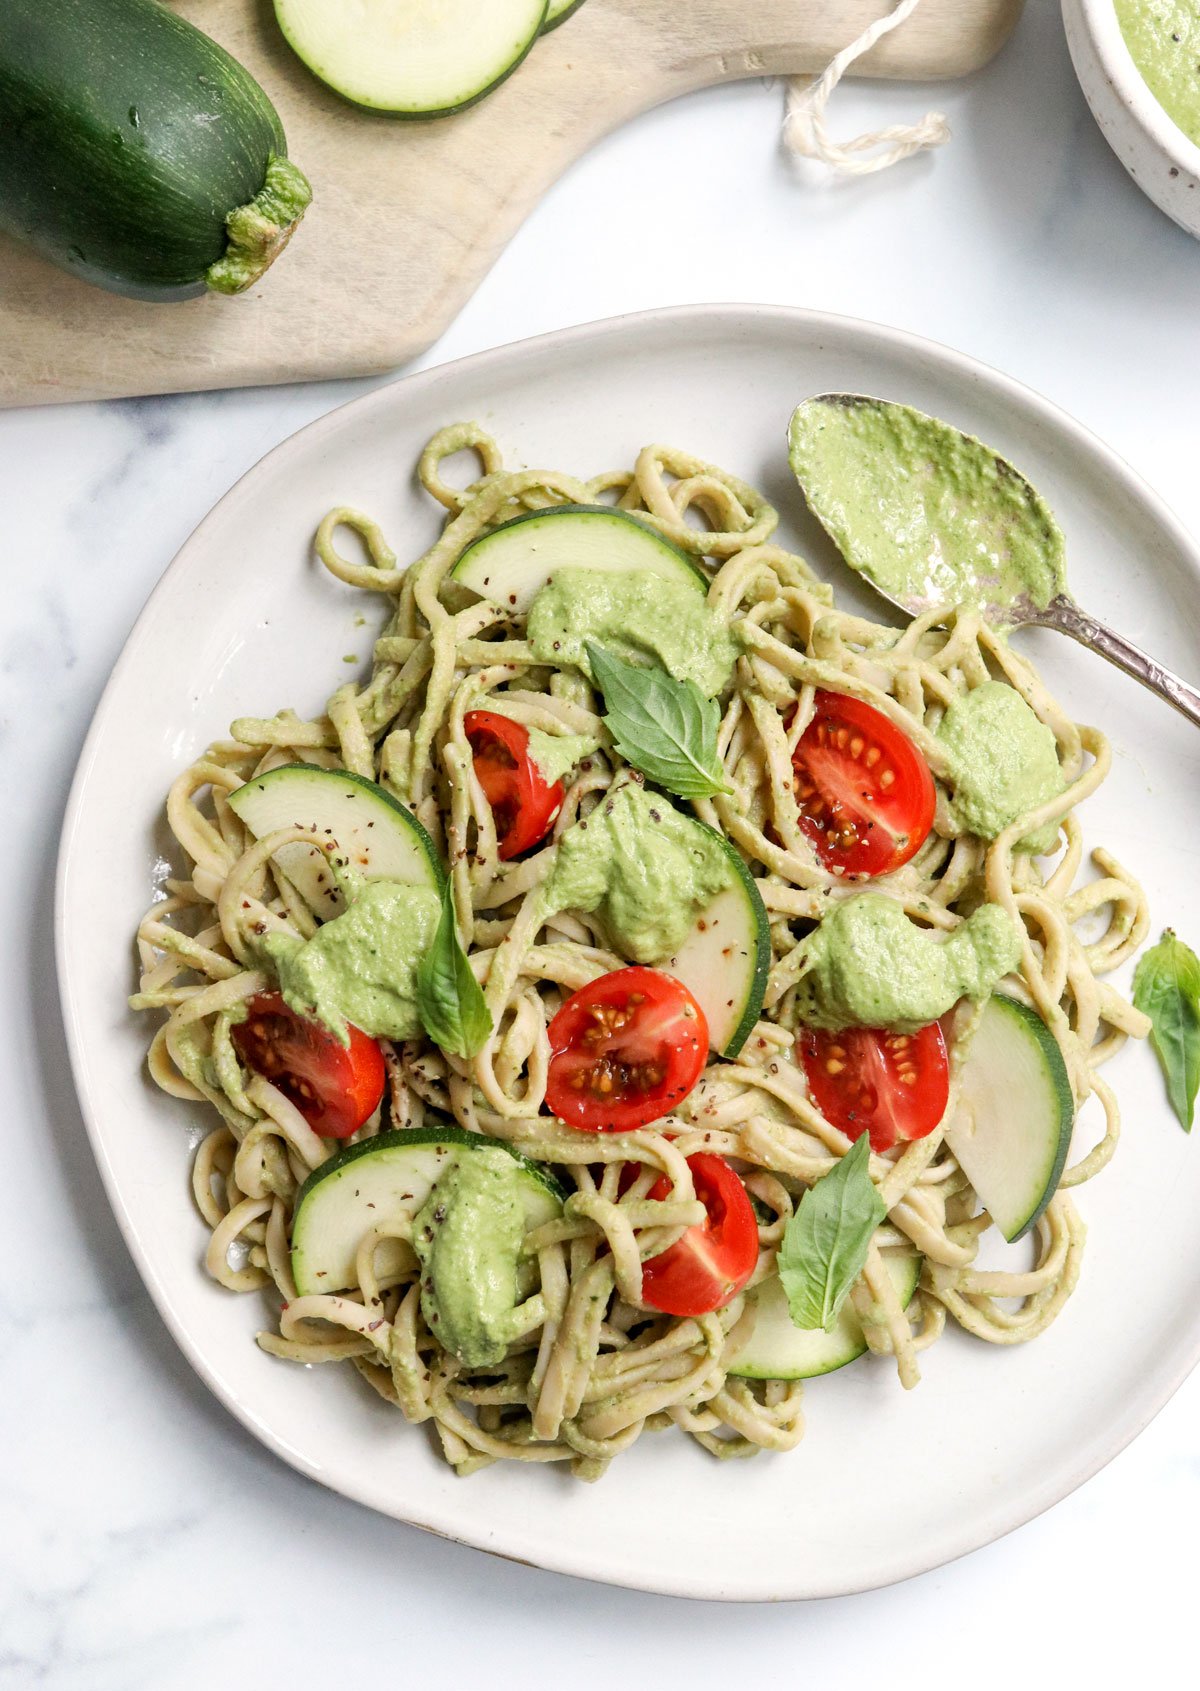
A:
(408, 217)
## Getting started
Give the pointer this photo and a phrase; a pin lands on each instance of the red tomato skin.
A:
(335, 1087)
(867, 1092)
(709, 1266)
(888, 807)
(653, 1055)
(524, 805)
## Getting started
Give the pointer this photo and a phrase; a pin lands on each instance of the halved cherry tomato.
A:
(624, 1051)
(334, 1087)
(865, 793)
(523, 805)
(709, 1266)
(866, 1080)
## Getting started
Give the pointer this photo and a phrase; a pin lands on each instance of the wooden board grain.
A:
(414, 214)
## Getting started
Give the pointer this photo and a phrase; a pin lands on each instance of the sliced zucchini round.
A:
(766, 1344)
(379, 1179)
(1011, 1130)
(379, 838)
(512, 564)
(413, 58)
(725, 958)
(558, 12)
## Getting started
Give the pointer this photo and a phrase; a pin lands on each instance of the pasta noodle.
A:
(594, 1368)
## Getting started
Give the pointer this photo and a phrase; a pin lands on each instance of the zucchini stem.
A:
(259, 231)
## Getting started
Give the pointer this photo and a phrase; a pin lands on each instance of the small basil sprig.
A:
(450, 1000)
(1166, 987)
(826, 1242)
(665, 728)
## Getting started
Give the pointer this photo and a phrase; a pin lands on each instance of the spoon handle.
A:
(1069, 618)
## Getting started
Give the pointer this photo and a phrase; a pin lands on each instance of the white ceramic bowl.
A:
(887, 1482)
(1150, 144)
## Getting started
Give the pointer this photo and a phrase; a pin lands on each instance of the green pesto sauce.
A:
(557, 754)
(648, 870)
(361, 967)
(867, 965)
(1005, 764)
(1163, 37)
(638, 616)
(467, 1237)
(926, 513)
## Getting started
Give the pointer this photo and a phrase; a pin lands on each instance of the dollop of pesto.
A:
(868, 965)
(927, 513)
(646, 868)
(557, 754)
(467, 1237)
(361, 967)
(1163, 37)
(1005, 763)
(638, 616)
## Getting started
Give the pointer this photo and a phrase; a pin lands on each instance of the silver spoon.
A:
(930, 516)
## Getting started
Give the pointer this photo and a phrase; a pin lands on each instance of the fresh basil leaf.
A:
(1166, 987)
(665, 728)
(826, 1242)
(450, 1000)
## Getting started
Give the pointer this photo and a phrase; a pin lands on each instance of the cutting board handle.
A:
(614, 59)
(408, 216)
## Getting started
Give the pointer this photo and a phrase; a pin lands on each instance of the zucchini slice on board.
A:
(512, 564)
(1012, 1128)
(136, 154)
(766, 1344)
(413, 58)
(724, 960)
(558, 12)
(387, 1176)
(382, 840)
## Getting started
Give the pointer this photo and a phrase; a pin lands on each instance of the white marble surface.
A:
(145, 1539)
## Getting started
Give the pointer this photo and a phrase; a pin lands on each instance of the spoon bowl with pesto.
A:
(933, 518)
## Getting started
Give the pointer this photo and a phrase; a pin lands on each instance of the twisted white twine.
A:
(804, 130)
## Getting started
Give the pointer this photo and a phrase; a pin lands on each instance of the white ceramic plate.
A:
(886, 1484)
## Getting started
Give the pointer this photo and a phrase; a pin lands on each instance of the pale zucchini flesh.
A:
(724, 959)
(766, 1344)
(382, 1179)
(413, 58)
(1011, 1128)
(511, 564)
(377, 836)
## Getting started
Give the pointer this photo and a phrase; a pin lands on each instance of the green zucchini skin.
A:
(559, 12)
(127, 138)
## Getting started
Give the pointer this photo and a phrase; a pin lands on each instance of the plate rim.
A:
(951, 1545)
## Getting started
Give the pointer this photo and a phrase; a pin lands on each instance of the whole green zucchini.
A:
(138, 154)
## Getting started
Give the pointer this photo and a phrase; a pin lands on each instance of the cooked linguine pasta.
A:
(596, 1368)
